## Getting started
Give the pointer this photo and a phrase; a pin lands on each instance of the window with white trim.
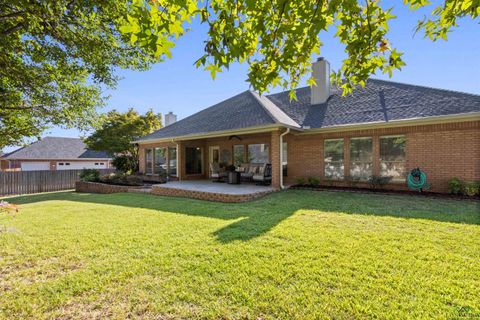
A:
(258, 153)
(148, 161)
(392, 157)
(361, 158)
(333, 158)
(160, 161)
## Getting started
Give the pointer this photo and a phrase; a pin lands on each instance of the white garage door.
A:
(81, 165)
(34, 166)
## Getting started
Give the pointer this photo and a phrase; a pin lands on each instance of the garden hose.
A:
(417, 180)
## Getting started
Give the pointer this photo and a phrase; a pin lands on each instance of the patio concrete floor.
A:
(216, 187)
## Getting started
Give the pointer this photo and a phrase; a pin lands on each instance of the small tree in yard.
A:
(117, 132)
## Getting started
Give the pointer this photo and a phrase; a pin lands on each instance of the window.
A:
(258, 153)
(284, 158)
(160, 160)
(392, 157)
(60, 164)
(238, 154)
(172, 161)
(193, 160)
(67, 163)
(101, 163)
(148, 161)
(333, 158)
(96, 163)
(361, 158)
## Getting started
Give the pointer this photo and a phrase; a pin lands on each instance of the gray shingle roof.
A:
(241, 111)
(378, 101)
(56, 148)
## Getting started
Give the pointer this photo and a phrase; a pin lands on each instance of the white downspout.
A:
(281, 158)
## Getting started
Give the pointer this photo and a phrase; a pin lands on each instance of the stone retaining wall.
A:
(95, 187)
(209, 196)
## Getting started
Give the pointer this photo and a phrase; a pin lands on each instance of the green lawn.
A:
(291, 255)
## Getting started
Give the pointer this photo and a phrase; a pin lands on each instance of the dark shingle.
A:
(240, 111)
(56, 148)
(378, 101)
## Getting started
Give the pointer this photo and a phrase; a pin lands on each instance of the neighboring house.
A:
(383, 129)
(55, 153)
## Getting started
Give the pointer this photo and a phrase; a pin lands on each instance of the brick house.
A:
(383, 129)
(55, 153)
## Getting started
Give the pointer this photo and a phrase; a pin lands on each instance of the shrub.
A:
(455, 186)
(121, 179)
(90, 175)
(377, 182)
(472, 189)
(134, 180)
(300, 181)
(125, 163)
(313, 181)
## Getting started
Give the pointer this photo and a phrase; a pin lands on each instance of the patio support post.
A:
(275, 158)
(179, 160)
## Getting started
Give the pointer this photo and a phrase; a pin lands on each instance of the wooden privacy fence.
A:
(23, 182)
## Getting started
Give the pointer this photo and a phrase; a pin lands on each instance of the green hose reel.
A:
(417, 180)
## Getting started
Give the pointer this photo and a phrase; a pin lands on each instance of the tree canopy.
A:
(55, 56)
(277, 38)
(117, 131)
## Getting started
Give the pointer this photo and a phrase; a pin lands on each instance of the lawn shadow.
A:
(255, 218)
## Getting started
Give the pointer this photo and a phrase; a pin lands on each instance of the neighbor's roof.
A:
(379, 101)
(56, 148)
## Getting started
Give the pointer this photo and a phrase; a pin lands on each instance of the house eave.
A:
(471, 116)
(215, 134)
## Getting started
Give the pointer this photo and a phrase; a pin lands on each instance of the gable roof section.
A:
(56, 148)
(245, 110)
(379, 101)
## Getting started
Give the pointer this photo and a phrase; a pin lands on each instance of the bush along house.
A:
(385, 129)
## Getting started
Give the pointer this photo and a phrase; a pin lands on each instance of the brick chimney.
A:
(321, 74)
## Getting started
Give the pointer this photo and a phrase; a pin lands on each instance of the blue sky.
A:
(176, 85)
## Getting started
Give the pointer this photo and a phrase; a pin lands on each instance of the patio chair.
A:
(263, 175)
(247, 171)
(216, 173)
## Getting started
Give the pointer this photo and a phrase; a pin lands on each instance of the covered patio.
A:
(188, 161)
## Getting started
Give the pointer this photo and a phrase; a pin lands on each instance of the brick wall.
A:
(275, 158)
(94, 187)
(441, 150)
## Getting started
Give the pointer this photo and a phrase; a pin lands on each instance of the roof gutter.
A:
(222, 133)
(471, 116)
